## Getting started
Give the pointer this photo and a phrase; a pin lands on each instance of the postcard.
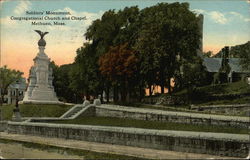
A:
(124, 79)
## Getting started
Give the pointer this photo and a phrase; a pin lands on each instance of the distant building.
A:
(19, 86)
(236, 72)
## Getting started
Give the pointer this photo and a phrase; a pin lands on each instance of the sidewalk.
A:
(109, 148)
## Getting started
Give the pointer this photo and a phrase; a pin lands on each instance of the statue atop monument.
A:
(41, 42)
(40, 89)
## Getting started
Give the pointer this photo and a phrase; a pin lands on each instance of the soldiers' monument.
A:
(40, 89)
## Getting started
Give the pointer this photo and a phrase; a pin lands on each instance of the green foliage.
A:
(62, 81)
(85, 76)
(32, 110)
(244, 51)
(167, 31)
(208, 54)
(120, 122)
(194, 74)
(7, 77)
(236, 51)
(157, 35)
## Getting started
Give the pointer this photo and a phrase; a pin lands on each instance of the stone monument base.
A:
(43, 94)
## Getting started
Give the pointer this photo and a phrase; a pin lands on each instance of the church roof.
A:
(214, 64)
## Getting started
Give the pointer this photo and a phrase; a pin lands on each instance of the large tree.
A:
(113, 29)
(61, 82)
(85, 76)
(244, 53)
(155, 36)
(194, 74)
(119, 65)
(167, 31)
(7, 77)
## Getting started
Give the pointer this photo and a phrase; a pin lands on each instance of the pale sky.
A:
(226, 22)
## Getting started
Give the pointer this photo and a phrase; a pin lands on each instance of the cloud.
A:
(22, 7)
(235, 14)
(222, 18)
(218, 17)
(247, 19)
(199, 11)
(239, 16)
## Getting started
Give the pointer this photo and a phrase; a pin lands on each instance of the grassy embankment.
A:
(33, 110)
(110, 121)
(227, 93)
(220, 94)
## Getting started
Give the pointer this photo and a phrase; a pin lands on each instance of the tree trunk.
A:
(162, 87)
(128, 92)
(101, 96)
(1, 100)
(123, 96)
(123, 92)
(150, 90)
(140, 93)
(169, 86)
(87, 95)
(150, 94)
(107, 94)
(162, 80)
(1, 97)
(115, 94)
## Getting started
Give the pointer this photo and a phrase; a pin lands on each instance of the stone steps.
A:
(73, 111)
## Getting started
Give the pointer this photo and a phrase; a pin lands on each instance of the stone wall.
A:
(170, 116)
(235, 109)
(183, 141)
(3, 126)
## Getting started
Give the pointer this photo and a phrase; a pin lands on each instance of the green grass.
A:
(242, 100)
(240, 87)
(85, 153)
(33, 110)
(108, 121)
